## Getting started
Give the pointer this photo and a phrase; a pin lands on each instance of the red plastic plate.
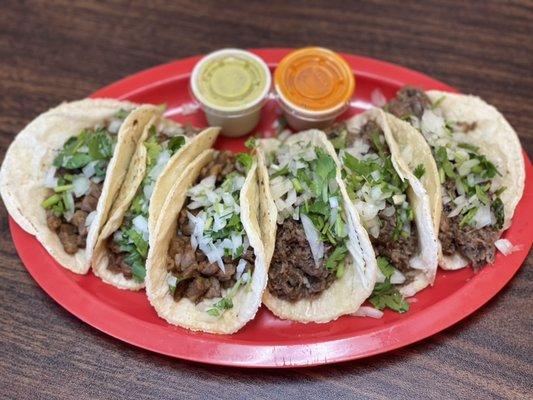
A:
(267, 341)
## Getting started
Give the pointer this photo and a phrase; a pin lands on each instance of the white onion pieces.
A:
(140, 224)
(50, 181)
(313, 237)
(506, 247)
(365, 311)
(81, 185)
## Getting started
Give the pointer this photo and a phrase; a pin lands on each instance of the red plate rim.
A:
(224, 350)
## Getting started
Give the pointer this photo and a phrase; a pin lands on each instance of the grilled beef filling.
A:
(477, 245)
(73, 233)
(126, 259)
(293, 274)
(199, 279)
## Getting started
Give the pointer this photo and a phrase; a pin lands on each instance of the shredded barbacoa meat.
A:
(293, 274)
(73, 233)
(197, 278)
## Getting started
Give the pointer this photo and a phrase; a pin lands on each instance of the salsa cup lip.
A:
(230, 111)
(308, 115)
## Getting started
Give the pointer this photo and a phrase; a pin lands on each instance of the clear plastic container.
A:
(231, 86)
(313, 86)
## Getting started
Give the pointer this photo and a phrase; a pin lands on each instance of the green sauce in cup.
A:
(231, 85)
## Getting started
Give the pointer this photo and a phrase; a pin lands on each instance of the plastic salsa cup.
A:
(313, 86)
(231, 86)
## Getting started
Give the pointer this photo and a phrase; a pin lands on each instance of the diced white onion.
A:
(313, 237)
(389, 211)
(397, 278)
(431, 123)
(81, 185)
(483, 217)
(90, 218)
(114, 126)
(240, 268)
(506, 247)
(398, 199)
(89, 169)
(140, 224)
(50, 181)
(365, 311)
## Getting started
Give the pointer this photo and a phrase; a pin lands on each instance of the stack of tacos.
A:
(310, 224)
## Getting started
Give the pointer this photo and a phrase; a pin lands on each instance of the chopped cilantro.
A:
(386, 295)
(175, 143)
(245, 160)
(498, 210)
(251, 142)
(419, 171)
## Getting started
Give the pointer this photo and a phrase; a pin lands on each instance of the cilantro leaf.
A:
(175, 143)
(498, 210)
(419, 171)
(245, 160)
(386, 295)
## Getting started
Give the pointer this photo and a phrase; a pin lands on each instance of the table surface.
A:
(63, 50)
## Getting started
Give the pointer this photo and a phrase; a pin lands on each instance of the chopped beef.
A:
(293, 274)
(90, 201)
(476, 245)
(117, 265)
(199, 279)
(53, 221)
(73, 234)
(409, 101)
(221, 166)
(397, 250)
(69, 239)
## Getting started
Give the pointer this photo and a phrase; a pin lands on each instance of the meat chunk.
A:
(90, 201)
(69, 239)
(293, 274)
(52, 221)
(397, 250)
(78, 219)
(409, 101)
(476, 245)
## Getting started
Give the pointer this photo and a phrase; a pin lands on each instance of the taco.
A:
(480, 170)
(322, 263)
(62, 172)
(391, 201)
(164, 151)
(206, 267)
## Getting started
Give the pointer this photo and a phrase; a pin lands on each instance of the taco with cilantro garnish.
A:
(386, 189)
(206, 267)
(322, 264)
(62, 172)
(480, 174)
(164, 151)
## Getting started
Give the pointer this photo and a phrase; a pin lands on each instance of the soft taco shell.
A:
(32, 152)
(496, 139)
(409, 149)
(185, 313)
(346, 294)
(136, 172)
